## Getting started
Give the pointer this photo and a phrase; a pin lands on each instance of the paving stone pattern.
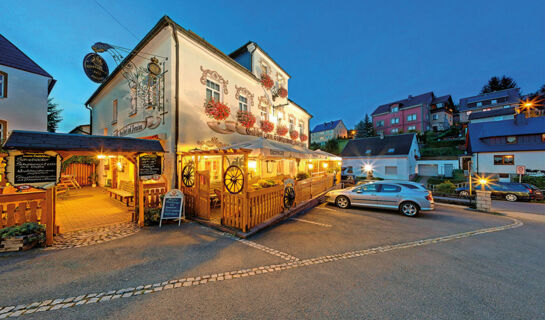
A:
(106, 296)
(93, 236)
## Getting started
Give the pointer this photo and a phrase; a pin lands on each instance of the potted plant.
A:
(294, 134)
(281, 130)
(218, 112)
(267, 126)
(93, 179)
(246, 121)
(23, 237)
(303, 137)
(266, 81)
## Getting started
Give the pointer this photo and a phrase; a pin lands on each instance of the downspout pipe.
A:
(176, 103)
(90, 119)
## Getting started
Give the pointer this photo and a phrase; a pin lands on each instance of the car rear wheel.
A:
(409, 209)
(464, 194)
(342, 202)
(511, 197)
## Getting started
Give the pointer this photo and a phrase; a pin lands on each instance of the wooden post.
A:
(140, 203)
(245, 206)
(49, 215)
(134, 162)
(222, 184)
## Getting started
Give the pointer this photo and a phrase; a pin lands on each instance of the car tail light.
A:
(530, 190)
(429, 197)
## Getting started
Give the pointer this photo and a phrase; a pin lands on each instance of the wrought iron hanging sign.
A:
(95, 67)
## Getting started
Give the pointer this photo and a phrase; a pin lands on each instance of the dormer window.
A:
(368, 151)
(395, 108)
(479, 104)
(391, 150)
(511, 139)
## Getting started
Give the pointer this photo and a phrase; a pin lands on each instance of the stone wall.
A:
(484, 201)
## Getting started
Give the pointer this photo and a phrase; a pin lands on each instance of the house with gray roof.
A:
(499, 147)
(326, 131)
(24, 90)
(508, 98)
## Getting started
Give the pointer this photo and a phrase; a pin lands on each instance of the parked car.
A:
(405, 197)
(509, 191)
(535, 192)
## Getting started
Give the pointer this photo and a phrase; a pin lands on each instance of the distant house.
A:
(81, 129)
(498, 147)
(508, 98)
(415, 113)
(492, 115)
(390, 157)
(327, 131)
(24, 90)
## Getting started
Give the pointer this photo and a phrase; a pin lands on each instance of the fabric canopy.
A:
(267, 148)
(326, 155)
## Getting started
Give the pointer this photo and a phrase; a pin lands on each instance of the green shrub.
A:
(442, 151)
(34, 230)
(266, 183)
(301, 176)
(536, 181)
(458, 176)
(152, 216)
(435, 180)
(446, 187)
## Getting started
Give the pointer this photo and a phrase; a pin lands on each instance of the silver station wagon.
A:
(408, 197)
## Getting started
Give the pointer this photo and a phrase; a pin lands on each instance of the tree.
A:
(53, 115)
(332, 146)
(368, 128)
(497, 84)
(360, 129)
(314, 146)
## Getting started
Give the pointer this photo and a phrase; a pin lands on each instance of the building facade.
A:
(415, 113)
(508, 98)
(203, 98)
(326, 131)
(389, 157)
(498, 147)
(24, 90)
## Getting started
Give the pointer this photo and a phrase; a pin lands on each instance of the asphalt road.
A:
(329, 263)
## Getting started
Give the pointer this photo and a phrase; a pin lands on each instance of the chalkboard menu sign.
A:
(173, 205)
(35, 168)
(150, 165)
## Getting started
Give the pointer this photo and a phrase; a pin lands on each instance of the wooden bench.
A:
(124, 192)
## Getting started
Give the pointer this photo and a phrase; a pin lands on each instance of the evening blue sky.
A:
(345, 57)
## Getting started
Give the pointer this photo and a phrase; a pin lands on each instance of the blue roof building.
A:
(507, 98)
(327, 131)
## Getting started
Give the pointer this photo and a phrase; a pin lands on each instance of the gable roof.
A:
(326, 126)
(13, 57)
(512, 95)
(425, 98)
(491, 113)
(244, 48)
(379, 146)
(34, 140)
(444, 99)
(530, 126)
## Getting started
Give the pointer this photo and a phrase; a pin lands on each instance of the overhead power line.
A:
(116, 20)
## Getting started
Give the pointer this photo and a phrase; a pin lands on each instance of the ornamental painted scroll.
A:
(263, 103)
(245, 92)
(214, 76)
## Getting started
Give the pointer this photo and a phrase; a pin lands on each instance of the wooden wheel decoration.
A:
(188, 175)
(289, 196)
(233, 179)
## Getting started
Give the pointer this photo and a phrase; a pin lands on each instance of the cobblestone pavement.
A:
(93, 236)
(106, 296)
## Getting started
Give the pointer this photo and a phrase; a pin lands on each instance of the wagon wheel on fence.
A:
(233, 179)
(289, 196)
(188, 175)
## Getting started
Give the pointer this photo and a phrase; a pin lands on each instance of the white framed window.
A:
(114, 111)
(435, 117)
(390, 170)
(380, 123)
(494, 101)
(3, 85)
(440, 105)
(395, 109)
(394, 120)
(212, 90)
(292, 123)
(411, 117)
(301, 127)
(479, 104)
(394, 131)
(3, 130)
(391, 150)
(242, 103)
(411, 128)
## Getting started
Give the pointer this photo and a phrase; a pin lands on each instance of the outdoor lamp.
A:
(252, 164)
(368, 168)
(101, 156)
(324, 165)
(310, 166)
(119, 165)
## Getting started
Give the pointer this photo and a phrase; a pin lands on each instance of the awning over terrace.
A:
(79, 144)
(267, 148)
(326, 155)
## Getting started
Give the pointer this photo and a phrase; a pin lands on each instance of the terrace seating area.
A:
(124, 192)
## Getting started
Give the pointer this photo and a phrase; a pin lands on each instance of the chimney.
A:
(520, 119)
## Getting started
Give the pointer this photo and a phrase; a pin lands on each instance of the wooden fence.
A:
(80, 171)
(247, 211)
(19, 208)
(153, 193)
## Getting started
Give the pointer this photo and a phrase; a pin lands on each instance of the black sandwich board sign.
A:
(35, 169)
(150, 166)
(173, 206)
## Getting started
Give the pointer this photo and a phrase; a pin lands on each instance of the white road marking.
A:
(107, 296)
(325, 225)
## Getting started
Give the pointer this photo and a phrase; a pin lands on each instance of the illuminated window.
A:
(507, 160)
(394, 131)
(395, 109)
(212, 90)
(391, 150)
(511, 139)
(3, 85)
(394, 120)
(242, 103)
(411, 128)
(479, 104)
(543, 137)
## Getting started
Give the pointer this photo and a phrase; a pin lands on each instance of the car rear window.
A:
(410, 186)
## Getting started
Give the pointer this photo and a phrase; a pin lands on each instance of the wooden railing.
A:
(153, 193)
(247, 211)
(19, 208)
(81, 172)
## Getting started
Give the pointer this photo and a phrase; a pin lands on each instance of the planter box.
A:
(19, 243)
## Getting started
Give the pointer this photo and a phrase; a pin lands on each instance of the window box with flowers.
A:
(303, 137)
(246, 120)
(281, 130)
(294, 135)
(282, 92)
(218, 112)
(266, 81)
(267, 126)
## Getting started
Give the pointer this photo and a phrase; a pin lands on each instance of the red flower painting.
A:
(266, 81)
(294, 134)
(267, 126)
(246, 119)
(303, 137)
(281, 130)
(216, 110)
(282, 92)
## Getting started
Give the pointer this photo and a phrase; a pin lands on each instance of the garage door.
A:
(428, 170)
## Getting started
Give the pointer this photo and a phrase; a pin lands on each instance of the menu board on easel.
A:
(150, 166)
(36, 169)
(173, 206)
